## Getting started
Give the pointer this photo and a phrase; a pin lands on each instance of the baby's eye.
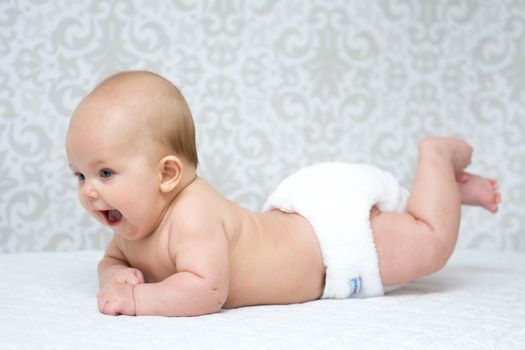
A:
(105, 173)
(80, 176)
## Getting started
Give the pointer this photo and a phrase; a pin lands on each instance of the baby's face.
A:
(117, 183)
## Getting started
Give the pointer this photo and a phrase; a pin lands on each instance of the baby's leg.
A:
(420, 241)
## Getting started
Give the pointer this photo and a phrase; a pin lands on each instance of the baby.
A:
(179, 248)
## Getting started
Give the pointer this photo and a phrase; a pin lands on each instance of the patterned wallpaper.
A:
(273, 85)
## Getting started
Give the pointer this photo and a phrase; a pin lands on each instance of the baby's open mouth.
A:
(112, 216)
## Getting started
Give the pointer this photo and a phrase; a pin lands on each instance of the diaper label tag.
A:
(355, 285)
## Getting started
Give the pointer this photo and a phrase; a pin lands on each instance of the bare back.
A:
(274, 257)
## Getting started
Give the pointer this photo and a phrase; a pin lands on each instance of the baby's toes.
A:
(494, 205)
(497, 198)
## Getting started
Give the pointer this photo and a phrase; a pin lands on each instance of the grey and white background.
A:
(273, 86)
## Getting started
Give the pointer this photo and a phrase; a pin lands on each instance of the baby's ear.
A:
(170, 173)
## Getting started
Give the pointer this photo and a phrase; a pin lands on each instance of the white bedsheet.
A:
(477, 302)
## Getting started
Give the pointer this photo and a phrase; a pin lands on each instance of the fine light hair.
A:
(165, 112)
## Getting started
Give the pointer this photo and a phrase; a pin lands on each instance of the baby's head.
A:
(152, 105)
(131, 143)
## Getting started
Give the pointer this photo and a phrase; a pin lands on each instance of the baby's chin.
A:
(130, 235)
(114, 220)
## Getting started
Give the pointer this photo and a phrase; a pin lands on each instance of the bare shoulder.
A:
(198, 213)
(196, 205)
(197, 239)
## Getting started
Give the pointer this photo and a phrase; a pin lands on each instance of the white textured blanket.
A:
(477, 302)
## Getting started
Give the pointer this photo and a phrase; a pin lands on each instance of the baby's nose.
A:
(89, 191)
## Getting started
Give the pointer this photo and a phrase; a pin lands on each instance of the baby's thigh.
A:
(406, 248)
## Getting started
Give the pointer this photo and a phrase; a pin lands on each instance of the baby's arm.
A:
(200, 286)
(114, 268)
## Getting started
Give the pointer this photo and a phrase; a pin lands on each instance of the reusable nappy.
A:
(336, 198)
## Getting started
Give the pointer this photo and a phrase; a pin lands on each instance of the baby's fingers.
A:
(110, 307)
(134, 277)
(116, 299)
(106, 305)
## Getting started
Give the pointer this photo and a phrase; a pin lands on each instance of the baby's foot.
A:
(460, 153)
(479, 191)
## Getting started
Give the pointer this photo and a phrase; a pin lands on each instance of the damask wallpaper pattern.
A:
(273, 85)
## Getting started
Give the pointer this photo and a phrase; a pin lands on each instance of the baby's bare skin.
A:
(181, 249)
(274, 257)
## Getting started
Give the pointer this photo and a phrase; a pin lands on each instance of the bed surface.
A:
(476, 302)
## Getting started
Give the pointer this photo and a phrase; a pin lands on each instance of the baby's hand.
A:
(116, 299)
(129, 275)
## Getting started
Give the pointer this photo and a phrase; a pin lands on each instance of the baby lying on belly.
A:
(179, 248)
